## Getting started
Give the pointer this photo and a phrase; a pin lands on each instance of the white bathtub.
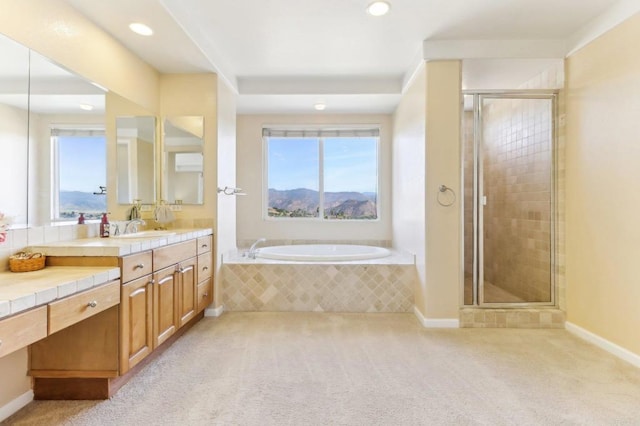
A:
(322, 252)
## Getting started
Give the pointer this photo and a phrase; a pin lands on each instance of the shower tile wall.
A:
(517, 184)
(317, 288)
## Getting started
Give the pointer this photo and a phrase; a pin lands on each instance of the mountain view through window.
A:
(324, 177)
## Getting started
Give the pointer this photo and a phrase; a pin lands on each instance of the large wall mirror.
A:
(52, 137)
(183, 160)
(14, 130)
(136, 159)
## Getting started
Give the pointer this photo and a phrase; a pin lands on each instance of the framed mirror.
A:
(183, 160)
(135, 151)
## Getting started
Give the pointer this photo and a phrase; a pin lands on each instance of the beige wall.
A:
(226, 224)
(409, 134)
(443, 224)
(426, 150)
(602, 195)
(252, 225)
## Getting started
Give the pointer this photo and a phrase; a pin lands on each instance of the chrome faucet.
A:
(133, 225)
(251, 254)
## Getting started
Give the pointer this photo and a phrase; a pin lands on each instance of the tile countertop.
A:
(20, 291)
(121, 245)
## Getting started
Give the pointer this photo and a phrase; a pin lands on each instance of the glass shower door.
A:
(509, 185)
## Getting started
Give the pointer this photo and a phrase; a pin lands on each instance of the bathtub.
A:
(322, 252)
(318, 278)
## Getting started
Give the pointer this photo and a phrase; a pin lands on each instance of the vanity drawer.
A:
(136, 266)
(22, 330)
(204, 266)
(204, 244)
(78, 307)
(172, 254)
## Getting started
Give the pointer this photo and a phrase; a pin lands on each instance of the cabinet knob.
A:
(151, 281)
(205, 246)
(0, 342)
(205, 268)
(139, 266)
(204, 295)
(92, 304)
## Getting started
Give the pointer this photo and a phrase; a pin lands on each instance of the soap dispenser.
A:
(104, 226)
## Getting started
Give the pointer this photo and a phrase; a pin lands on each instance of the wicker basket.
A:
(21, 264)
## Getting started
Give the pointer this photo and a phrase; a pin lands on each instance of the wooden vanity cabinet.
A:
(163, 291)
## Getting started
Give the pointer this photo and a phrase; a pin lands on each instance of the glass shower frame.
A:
(478, 185)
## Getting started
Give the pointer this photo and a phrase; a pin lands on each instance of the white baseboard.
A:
(214, 312)
(603, 343)
(16, 405)
(436, 323)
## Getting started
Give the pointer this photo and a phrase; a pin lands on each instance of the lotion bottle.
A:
(104, 226)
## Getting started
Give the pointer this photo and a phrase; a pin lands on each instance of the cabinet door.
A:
(136, 322)
(205, 294)
(187, 291)
(165, 294)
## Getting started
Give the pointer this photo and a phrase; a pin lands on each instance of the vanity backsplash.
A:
(19, 239)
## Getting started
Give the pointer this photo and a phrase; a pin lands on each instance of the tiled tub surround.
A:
(378, 285)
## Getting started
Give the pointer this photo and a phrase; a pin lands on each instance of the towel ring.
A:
(443, 189)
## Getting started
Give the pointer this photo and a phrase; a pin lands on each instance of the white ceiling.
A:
(285, 55)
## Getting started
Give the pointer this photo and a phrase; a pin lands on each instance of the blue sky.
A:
(82, 163)
(350, 164)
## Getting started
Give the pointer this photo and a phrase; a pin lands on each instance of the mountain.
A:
(73, 202)
(303, 202)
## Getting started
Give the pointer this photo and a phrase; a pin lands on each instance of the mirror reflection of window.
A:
(135, 150)
(79, 173)
(184, 160)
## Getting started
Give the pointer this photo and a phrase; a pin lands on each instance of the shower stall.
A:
(509, 142)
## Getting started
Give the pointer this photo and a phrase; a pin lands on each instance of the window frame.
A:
(315, 130)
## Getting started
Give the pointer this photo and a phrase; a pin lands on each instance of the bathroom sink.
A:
(146, 234)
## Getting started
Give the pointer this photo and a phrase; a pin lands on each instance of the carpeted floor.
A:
(363, 369)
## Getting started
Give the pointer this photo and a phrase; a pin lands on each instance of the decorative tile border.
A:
(511, 318)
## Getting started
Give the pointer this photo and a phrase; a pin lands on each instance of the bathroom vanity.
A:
(116, 304)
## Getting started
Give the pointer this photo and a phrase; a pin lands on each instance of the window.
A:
(322, 174)
(79, 173)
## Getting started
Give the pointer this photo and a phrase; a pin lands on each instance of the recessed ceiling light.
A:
(378, 8)
(86, 107)
(141, 29)
(320, 106)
